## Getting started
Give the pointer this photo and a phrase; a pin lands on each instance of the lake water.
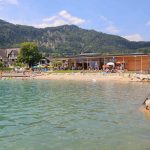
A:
(67, 115)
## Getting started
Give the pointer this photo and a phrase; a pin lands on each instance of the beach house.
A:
(130, 62)
(9, 56)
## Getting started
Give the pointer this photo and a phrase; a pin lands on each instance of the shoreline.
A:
(120, 77)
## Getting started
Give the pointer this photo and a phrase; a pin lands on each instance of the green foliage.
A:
(57, 63)
(67, 40)
(29, 54)
(66, 71)
(144, 50)
(5, 69)
(1, 64)
(19, 64)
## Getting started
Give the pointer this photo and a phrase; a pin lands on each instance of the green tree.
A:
(29, 54)
(1, 64)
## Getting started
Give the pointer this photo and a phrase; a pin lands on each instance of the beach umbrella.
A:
(118, 62)
(110, 64)
(39, 66)
(105, 66)
(50, 66)
(42, 67)
(34, 67)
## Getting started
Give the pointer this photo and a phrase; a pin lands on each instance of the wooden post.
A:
(123, 63)
(104, 60)
(135, 63)
(75, 63)
(141, 64)
(83, 64)
(87, 64)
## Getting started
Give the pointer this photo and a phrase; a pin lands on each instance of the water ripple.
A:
(71, 115)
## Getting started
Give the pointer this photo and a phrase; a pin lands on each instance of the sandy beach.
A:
(123, 77)
(79, 76)
(120, 77)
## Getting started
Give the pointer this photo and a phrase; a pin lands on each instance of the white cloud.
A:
(148, 23)
(109, 25)
(134, 37)
(55, 23)
(106, 20)
(112, 29)
(62, 18)
(50, 19)
(71, 19)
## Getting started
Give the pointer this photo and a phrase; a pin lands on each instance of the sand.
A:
(121, 77)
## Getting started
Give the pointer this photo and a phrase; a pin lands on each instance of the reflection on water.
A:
(57, 115)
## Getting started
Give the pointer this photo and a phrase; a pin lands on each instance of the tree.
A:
(29, 54)
(1, 64)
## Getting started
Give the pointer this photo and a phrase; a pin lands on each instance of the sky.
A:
(127, 18)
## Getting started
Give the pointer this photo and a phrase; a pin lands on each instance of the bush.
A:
(1, 65)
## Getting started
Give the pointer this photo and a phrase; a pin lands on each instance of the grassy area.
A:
(66, 71)
(76, 71)
(86, 71)
(5, 69)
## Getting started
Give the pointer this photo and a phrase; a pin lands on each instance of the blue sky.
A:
(126, 18)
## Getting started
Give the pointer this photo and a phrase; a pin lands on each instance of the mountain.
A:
(67, 39)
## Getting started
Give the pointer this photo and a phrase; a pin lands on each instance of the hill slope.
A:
(67, 39)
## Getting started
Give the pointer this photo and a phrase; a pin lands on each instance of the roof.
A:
(5, 52)
(89, 54)
(15, 50)
(97, 55)
(48, 58)
(110, 55)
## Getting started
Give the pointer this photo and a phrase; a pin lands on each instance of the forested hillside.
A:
(67, 39)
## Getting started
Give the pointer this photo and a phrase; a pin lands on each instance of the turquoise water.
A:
(66, 115)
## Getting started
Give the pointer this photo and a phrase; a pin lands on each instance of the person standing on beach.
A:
(1, 74)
